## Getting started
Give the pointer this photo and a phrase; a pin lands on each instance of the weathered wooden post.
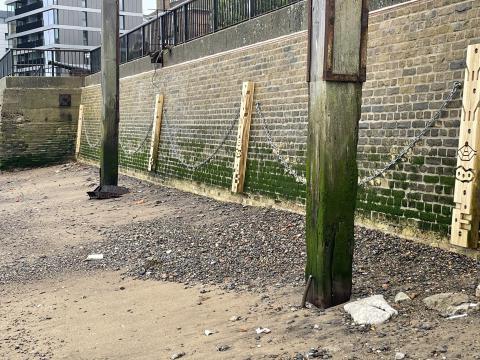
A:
(338, 35)
(110, 93)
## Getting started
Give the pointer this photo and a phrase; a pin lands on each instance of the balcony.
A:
(27, 8)
(30, 44)
(29, 26)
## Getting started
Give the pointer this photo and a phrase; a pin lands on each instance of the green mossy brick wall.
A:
(34, 129)
(416, 51)
(202, 100)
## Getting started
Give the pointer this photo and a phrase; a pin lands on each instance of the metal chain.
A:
(93, 146)
(173, 134)
(302, 180)
(276, 151)
(129, 152)
(456, 86)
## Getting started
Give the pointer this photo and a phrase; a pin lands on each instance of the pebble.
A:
(223, 347)
(477, 292)
(402, 297)
(399, 356)
(177, 355)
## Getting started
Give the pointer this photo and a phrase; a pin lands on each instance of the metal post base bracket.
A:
(107, 192)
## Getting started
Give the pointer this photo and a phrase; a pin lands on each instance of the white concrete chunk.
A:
(373, 310)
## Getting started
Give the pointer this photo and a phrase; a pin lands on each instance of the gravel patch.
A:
(246, 247)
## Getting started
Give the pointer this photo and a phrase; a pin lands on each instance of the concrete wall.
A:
(34, 129)
(416, 51)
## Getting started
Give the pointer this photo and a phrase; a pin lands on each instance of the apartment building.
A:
(63, 24)
(3, 32)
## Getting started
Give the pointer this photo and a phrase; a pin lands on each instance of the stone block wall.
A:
(35, 129)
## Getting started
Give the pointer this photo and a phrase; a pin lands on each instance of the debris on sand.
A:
(373, 310)
(177, 355)
(450, 304)
(402, 297)
(261, 330)
(93, 257)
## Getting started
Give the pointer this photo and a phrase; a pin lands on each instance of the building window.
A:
(85, 38)
(57, 36)
(84, 19)
(84, 3)
(122, 5)
(122, 22)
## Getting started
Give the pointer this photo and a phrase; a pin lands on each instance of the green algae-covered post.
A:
(337, 56)
(110, 93)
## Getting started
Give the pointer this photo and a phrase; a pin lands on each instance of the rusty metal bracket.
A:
(328, 72)
(309, 45)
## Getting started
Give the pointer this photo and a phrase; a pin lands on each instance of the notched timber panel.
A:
(157, 126)
(465, 215)
(243, 136)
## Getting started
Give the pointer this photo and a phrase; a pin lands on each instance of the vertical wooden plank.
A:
(157, 127)
(79, 131)
(465, 215)
(243, 136)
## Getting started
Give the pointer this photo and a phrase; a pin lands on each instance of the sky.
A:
(148, 5)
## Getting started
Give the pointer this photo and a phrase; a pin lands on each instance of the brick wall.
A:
(202, 101)
(34, 129)
(416, 52)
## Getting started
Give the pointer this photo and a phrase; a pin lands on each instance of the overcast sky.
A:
(148, 5)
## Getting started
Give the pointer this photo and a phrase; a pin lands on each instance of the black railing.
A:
(191, 20)
(186, 22)
(32, 62)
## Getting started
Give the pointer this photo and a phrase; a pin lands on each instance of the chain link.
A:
(173, 134)
(92, 146)
(276, 151)
(129, 152)
(456, 86)
(302, 180)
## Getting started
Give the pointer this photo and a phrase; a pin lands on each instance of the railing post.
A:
(251, 9)
(175, 25)
(185, 23)
(12, 63)
(143, 40)
(215, 15)
(126, 49)
(161, 32)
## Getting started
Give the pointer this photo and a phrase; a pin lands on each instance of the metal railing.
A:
(53, 63)
(191, 20)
